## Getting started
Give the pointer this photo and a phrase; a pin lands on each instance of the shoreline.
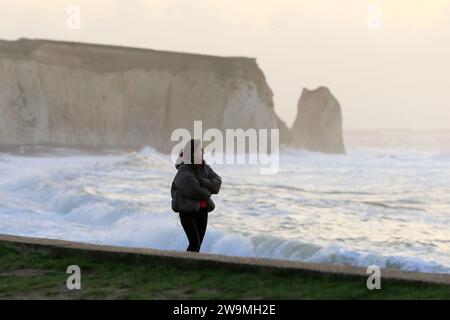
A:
(184, 259)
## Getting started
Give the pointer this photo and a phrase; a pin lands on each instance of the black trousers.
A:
(194, 225)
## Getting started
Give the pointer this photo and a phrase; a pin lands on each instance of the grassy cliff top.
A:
(113, 58)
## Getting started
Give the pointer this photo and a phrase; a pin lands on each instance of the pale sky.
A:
(386, 61)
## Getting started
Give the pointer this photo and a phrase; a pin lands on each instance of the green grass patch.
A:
(30, 273)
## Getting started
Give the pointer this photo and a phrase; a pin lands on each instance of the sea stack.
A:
(318, 126)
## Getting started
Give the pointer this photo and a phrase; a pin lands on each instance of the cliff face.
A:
(318, 126)
(77, 94)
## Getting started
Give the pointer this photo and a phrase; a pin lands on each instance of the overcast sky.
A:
(386, 61)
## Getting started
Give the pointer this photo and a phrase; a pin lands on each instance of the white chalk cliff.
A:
(318, 126)
(78, 94)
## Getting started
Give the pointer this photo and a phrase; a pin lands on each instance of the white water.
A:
(387, 202)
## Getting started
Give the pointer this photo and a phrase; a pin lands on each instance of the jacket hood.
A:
(179, 160)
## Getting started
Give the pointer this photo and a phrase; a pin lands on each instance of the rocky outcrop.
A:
(77, 94)
(318, 126)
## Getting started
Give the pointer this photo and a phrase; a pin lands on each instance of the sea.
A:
(386, 202)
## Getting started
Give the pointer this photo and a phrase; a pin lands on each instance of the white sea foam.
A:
(370, 207)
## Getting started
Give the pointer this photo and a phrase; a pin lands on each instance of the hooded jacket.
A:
(193, 182)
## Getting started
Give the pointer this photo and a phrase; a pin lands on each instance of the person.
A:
(191, 192)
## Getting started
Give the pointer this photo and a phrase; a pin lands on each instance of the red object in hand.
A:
(202, 204)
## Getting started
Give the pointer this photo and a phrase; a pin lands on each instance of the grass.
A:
(31, 273)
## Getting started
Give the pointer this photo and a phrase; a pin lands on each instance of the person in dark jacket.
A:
(191, 192)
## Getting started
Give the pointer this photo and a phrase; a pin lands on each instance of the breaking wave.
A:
(321, 209)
